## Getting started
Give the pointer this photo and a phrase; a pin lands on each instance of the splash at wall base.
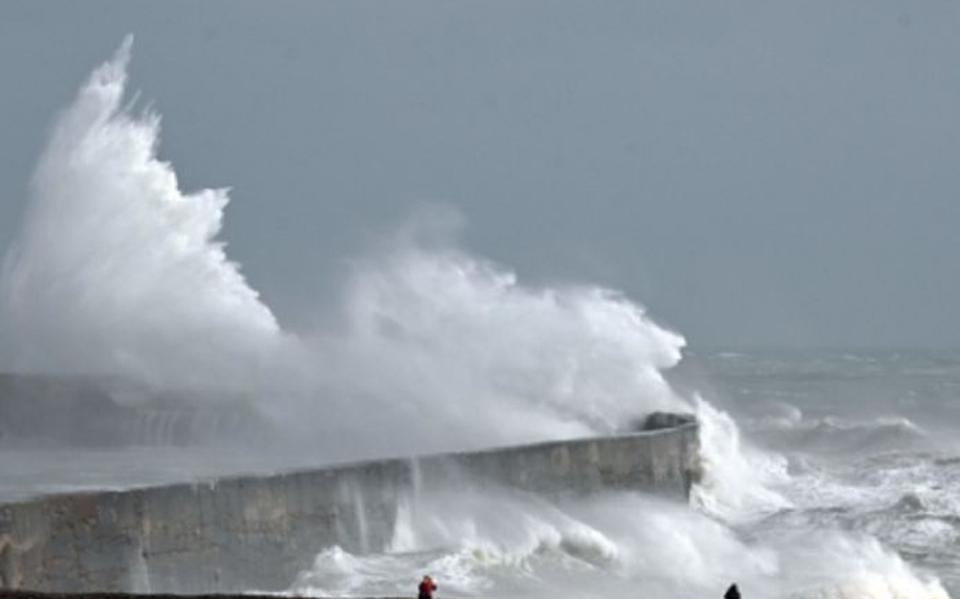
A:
(238, 534)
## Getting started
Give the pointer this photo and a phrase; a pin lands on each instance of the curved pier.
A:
(243, 533)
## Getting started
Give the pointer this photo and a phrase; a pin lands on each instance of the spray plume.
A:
(116, 269)
(119, 272)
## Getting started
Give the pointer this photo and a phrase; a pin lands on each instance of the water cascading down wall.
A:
(244, 533)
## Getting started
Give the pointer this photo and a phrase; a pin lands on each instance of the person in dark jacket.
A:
(427, 587)
(732, 593)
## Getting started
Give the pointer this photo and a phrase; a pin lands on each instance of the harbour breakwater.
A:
(256, 532)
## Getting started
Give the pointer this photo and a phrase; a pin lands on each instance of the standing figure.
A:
(732, 593)
(427, 587)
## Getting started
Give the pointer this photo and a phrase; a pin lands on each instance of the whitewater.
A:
(119, 272)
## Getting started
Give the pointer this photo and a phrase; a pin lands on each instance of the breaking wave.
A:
(608, 546)
(789, 428)
(116, 269)
(119, 272)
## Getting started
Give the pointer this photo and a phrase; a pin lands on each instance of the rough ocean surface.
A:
(848, 490)
(868, 439)
(825, 474)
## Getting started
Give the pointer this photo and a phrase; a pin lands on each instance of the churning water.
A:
(826, 475)
(848, 488)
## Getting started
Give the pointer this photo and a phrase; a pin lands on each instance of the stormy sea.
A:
(831, 474)
(824, 473)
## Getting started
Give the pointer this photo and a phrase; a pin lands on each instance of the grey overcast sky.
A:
(756, 173)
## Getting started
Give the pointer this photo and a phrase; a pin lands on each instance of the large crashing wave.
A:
(116, 270)
(461, 345)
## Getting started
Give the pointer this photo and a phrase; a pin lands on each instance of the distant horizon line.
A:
(751, 348)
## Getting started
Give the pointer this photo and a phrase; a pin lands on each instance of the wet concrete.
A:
(243, 533)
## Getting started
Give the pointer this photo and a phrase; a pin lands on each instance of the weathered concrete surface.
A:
(249, 533)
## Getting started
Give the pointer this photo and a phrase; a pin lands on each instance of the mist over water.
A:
(118, 272)
(460, 344)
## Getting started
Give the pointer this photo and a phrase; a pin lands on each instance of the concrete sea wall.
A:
(257, 533)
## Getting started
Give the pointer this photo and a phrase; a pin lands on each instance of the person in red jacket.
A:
(427, 587)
